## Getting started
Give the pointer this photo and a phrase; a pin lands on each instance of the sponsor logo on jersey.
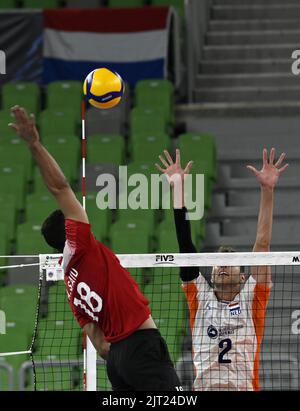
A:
(234, 308)
(229, 330)
(212, 332)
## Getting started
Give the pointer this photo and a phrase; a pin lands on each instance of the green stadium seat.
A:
(7, 4)
(197, 226)
(15, 151)
(30, 240)
(167, 240)
(105, 149)
(58, 122)
(61, 94)
(4, 250)
(156, 93)
(39, 185)
(148, 148)
(167, 307)
(19, 323)
(150, 120)
(130, 238)
(53, 378)
(131, 216)
(100, 220)
(201, 149)
(67, 155)
(154, 85)
(8, 214)
(126, 3)
(58, 339)
(36, 4)
(13, 178)
(5, 131)
(39, 206)
(24, 94)
(53, 139)
(177, 4)
(146, 169)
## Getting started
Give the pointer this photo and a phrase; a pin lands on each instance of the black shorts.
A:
(142, 362)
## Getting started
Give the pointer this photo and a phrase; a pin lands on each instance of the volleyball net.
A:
(42, 346)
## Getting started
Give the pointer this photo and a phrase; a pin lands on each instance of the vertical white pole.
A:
(89, 353)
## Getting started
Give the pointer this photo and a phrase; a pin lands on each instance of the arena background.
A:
(217, 82)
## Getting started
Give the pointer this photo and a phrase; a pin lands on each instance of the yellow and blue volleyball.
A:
(103, 88)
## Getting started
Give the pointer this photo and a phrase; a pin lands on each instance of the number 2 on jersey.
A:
(226, 346)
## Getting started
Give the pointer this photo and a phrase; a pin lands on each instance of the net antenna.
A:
(89, 353)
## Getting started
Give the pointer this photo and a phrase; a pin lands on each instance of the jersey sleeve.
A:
(78, 235)
(81, 319)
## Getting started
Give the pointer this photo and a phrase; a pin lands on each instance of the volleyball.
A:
(103, 88)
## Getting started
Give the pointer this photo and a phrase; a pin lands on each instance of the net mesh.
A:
(213, 344)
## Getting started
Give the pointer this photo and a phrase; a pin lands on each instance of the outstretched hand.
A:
(24, 125)
(173, 169)
(269, 174)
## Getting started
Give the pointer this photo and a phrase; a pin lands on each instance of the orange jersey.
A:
(226, 335)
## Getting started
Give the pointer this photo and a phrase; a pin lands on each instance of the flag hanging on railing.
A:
(132, 41)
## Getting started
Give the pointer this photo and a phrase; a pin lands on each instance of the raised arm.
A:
(52, 175)
(267, 177)
(183, 227)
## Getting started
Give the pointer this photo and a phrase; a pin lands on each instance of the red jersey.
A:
(99, 289)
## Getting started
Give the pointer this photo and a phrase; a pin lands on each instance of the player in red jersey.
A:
(105, 299)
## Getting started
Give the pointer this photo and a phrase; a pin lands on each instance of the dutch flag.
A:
(133, 42)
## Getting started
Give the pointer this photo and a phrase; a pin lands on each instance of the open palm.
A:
(269, 174)
(172, 169)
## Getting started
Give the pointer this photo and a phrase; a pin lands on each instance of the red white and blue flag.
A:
(131, 41)
(234, 308)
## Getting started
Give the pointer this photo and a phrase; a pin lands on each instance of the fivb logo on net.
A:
(2, 62)
(159, 191)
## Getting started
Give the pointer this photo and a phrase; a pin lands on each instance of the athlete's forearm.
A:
(50, 170)
(184, 238)
(97, 338)
(265, 220)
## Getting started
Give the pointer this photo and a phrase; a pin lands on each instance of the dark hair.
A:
(226, 249)
(53, 230)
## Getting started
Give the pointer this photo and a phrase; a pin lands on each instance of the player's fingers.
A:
(159, 168)
(282, 169)
(13, 127)
(168, 157)
(188, 167)
(280, 160)
(32, 119)
(178, 157)
(265, 156)
(253, 169)
(19, 114)
(163, 161)
(272, 155)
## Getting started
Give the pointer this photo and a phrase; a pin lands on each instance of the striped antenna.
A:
(83, 153)
(89, 352)
(83, 187)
